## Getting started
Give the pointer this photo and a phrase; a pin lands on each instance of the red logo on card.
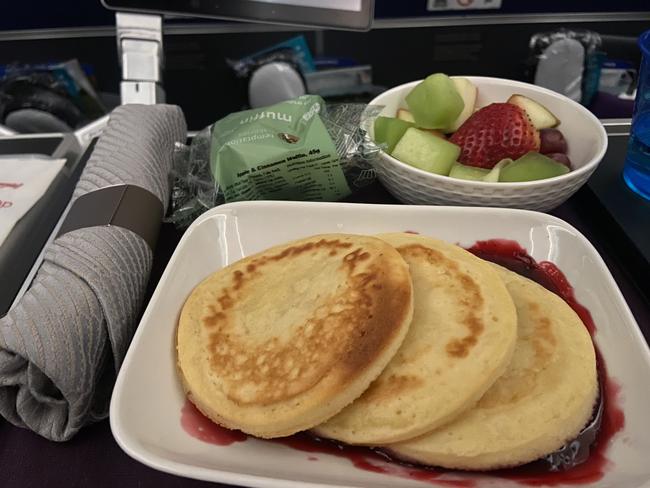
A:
(4, 184)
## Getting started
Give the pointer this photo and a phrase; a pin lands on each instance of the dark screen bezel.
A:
(251, 10)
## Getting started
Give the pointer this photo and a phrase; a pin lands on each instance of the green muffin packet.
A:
(300, 149)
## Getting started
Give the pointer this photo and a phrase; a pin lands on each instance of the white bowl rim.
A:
(573, 174)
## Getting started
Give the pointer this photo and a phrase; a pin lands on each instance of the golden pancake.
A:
(461, 340)
(282, 340)
(545, 397)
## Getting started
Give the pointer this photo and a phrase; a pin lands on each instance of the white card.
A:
(23, 181)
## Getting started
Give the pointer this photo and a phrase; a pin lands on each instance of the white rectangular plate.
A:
(147, 400)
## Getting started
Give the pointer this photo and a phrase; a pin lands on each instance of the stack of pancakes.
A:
(397, 341)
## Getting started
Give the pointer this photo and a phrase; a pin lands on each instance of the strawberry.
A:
(495, 132)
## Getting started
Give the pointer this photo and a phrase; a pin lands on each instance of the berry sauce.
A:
(582, 461)
(204, 429)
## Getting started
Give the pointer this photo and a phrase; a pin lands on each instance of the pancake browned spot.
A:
(543, 399)
(470, 296)
(284, 339)
(452, 354)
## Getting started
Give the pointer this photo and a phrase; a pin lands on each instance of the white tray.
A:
(147, 400)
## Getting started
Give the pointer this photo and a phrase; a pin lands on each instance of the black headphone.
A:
(38, 91)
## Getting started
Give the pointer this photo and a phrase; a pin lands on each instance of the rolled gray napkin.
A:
(63, 343)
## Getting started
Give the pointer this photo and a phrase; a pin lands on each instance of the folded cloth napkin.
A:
(63, 343)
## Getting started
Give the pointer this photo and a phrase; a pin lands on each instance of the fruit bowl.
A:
(586, 137)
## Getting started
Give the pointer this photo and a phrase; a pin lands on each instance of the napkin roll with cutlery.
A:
(62, 345)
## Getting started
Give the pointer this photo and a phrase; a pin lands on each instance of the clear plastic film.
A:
(294, 51)
(296, 150)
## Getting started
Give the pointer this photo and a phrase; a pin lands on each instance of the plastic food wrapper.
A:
(300, 149)
(294, 51)
(567, 61)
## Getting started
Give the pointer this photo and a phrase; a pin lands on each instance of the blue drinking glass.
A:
(637, 162)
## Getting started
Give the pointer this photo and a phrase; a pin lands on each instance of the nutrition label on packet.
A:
(314, 175)
(282, 152)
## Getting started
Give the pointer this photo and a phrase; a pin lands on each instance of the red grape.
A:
(552, 141)
(561, 158)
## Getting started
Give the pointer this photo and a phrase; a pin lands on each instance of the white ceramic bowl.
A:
(583, 131)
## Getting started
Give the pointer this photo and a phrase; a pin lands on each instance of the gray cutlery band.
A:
(128, 206)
